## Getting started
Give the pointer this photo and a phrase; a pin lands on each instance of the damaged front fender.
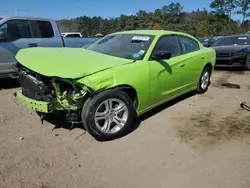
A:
(98, 81)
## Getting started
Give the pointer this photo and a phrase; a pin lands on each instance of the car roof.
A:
(24, 18)
(152, 32)
(236, 36)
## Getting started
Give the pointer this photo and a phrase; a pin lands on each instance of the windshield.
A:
(203, 40)
(128, 46)
(241, 40)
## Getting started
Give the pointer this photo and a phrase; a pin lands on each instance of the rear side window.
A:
(16, 29)
(168, 43)
(188, 45)
(45, 29)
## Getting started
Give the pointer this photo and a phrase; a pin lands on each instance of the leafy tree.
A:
(219, 7)
(199, 23)
(172, 9)
(224, 7)
(156, 27)
(244, 7)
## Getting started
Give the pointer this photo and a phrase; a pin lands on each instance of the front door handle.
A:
(202, 57)
(182, 65)
(32, 45)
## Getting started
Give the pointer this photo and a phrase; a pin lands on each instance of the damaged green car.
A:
(115, 80)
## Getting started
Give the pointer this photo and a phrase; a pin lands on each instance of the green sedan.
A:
(115, 80)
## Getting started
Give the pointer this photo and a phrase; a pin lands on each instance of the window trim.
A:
(165, 35)
(31, 32)
(179, 38)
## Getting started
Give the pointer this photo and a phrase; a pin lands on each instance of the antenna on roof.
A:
(22, 10)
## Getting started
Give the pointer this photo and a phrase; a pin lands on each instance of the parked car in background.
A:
(71, 34)
(217, 37)
(116, 79)
(206, 41)
(26, 32)
(233, 51)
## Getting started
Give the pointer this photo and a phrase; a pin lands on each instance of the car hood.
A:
(66, 62)
(228, 49)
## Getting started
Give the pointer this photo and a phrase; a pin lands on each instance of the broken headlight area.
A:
(62, 94)
(68, 94)
(36, 87)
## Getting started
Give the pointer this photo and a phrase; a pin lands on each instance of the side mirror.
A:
(160, 55)
(2, 35)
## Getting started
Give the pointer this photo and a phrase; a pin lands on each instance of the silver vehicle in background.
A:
(27, 32)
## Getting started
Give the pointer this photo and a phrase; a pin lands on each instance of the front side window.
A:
(45, 29)
(128, 46)
(170, 44)
(16, 29)
(188, 45)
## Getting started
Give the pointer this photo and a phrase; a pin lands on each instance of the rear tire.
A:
(204, 81)
(108, 115)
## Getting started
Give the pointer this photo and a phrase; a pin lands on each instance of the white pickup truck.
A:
(25, 32)
(71, 34)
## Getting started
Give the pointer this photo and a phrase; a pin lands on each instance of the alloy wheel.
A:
(111, 116)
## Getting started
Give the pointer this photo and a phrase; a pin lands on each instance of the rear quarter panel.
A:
(204, 56)
(210, 56)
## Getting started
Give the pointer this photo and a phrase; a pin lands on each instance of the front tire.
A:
(108, 115)
(204, 81)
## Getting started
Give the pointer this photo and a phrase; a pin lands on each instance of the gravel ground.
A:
(192, 142)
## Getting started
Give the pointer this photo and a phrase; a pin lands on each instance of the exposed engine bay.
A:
(61, 94)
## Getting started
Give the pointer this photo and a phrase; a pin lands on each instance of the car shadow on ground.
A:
(58, 119)
(160, 108)
(8, 83)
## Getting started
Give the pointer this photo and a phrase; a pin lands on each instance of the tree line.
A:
(200, 22)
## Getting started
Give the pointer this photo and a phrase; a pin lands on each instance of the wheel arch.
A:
(210, 66)
(128, 89)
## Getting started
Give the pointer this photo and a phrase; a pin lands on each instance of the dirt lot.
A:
(192, 142)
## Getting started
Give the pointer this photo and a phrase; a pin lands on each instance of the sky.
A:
(66, 9)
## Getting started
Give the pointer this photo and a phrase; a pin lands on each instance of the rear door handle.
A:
(32, 45)
(202, 57)
(182, 65)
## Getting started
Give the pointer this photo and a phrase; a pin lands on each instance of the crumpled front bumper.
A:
(39, 106)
